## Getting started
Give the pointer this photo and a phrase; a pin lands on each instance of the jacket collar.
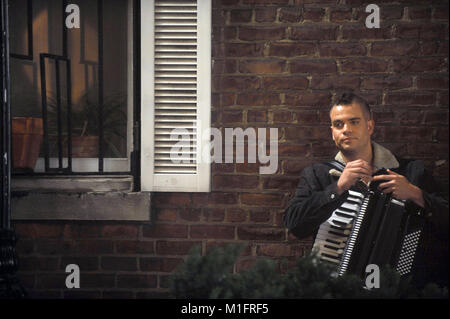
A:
(382, 158)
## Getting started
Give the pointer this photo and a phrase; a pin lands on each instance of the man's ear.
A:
(331, 130)
(370, 126)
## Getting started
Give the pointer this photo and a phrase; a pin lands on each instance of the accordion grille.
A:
(408, 252)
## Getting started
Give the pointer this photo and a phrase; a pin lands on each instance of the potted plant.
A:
(27, 132)
(26, 141)
(85, 126)
(113, 124)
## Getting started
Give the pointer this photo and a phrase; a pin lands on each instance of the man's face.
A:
(350, 129)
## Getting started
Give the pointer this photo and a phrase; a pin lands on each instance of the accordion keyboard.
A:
(333, 234)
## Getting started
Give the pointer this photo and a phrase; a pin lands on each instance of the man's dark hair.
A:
(349, 98)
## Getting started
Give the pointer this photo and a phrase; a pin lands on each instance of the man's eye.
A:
(354, 122)
(338, 125)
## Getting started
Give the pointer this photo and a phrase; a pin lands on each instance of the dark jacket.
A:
(316, 198)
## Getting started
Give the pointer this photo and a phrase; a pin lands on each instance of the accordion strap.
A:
(336, 165)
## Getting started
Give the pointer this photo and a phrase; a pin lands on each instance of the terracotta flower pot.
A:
(26, 141)
(84, 146)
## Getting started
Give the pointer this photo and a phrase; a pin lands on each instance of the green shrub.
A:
(212, 276)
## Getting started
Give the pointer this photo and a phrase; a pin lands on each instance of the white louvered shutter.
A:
(176, 94)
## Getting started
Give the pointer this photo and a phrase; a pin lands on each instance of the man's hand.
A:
(400, 188)
(354, 171)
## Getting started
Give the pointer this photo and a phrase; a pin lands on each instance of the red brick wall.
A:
(277, 63)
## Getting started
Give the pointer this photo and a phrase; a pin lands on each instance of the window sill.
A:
(78, 198)
(73, 184)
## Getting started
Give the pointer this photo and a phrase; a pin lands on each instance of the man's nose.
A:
(347, 128)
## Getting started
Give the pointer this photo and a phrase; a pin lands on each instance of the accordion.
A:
(370, 228)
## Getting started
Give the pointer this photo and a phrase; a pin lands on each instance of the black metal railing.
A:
(5, 129)
(100, 82)
(10, 286)
(29, 55)
(59, 113)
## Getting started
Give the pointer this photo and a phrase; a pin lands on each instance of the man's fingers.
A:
(358, 163)
(360, 167)
(361, 171)
(364, 177)
(383, 177)
(384, 185)
(392, 172)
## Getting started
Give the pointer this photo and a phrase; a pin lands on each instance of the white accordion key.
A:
(350, 206)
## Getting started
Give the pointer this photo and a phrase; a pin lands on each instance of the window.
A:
(81, 82)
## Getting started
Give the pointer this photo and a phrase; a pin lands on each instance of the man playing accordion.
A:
(323, 190)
